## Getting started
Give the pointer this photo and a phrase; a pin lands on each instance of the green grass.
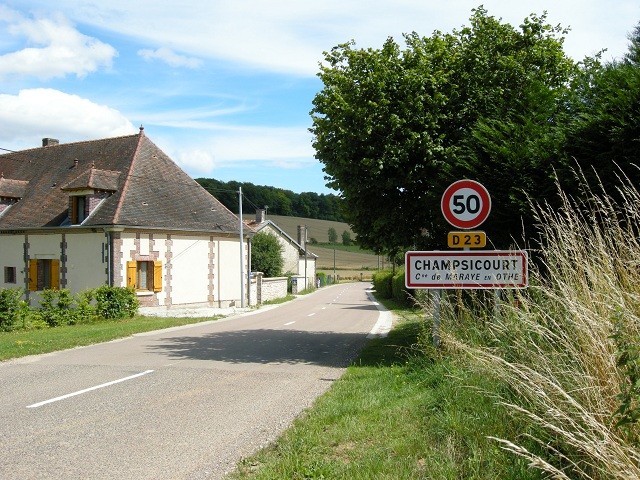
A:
(21, 343)
(277, 301)
(397, 413)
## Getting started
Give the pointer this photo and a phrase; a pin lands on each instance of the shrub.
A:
(399, 290)
(382, 282)
(266, 254)
(13, 309)
(116, 302)
(55, 307)
(322, 277)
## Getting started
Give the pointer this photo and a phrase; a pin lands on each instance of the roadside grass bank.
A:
(31, 342)
(402, 411)
(542, 382)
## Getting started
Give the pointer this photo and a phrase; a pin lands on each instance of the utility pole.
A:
(241, 249)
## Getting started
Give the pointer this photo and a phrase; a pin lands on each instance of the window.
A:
(44, 274)
(9, 274)
(78, 209)
(144, 275)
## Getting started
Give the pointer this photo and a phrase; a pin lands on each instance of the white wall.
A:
(12, 255)
(189, 270)
(289, 252)
(85, 268)
(228, 271)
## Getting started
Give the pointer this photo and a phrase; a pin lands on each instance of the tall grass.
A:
(569, 345)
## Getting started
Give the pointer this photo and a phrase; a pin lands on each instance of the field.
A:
(351, 263)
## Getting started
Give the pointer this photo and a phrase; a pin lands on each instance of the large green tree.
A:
(395, 126)
(603, 135)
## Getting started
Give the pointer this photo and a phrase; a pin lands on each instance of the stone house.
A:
(120, 212)
(298, 261)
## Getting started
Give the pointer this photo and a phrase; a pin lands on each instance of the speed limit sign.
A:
(466, 204)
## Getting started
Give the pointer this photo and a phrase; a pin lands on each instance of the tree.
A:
(603, 135)
(346, 238)
(266, 254)
(395, 127)
(333, 235)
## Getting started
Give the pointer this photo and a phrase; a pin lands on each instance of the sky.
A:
(225, 87)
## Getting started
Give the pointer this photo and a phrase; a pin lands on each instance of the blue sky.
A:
(224, 87)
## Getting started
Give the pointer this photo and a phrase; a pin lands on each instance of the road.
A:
(184, 403)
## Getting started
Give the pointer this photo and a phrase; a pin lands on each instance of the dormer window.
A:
(78, 209)
(86, 192)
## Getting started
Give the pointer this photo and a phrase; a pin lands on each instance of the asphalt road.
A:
(183, 403)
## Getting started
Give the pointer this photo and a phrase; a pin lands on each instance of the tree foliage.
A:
(279, 201)
(333, 235)
(266, 254)
(394, 127)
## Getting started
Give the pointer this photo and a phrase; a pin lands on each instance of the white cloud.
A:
(170, 57)
(289, 36)
(56, 48)
(288, 148)
(33, 114)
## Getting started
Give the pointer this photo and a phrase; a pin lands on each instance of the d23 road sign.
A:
(481, 269)
(467, 239)
(465, 204)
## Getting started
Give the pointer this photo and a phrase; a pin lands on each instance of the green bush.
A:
(56, 307)
(399, 290)
(322, 277)
(13, 309)
(116, 302)
(382, 282)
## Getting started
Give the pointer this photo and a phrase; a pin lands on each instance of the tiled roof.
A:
(94, 179)
(12, 188)
(148, 188)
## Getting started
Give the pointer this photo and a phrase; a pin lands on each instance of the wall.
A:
(310, 273)
(290, 252)
(12, 255)
(273, 288)
(86, 261)
(196, 269)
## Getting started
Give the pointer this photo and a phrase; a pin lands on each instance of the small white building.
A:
(118, 212)
(298, 261)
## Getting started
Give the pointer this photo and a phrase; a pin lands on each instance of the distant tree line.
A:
(278, 201)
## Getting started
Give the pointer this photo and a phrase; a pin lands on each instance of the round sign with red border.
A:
(466, 204)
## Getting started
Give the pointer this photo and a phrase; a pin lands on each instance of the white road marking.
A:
(289, 323)
(80, 392)
(311, 314)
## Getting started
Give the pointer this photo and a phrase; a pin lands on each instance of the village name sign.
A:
(465, 205)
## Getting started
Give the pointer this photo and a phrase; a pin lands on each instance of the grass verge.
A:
(31, 342)
(397, 413)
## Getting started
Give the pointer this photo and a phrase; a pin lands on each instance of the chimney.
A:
(50, 142)
(261, 215)
(302, 236)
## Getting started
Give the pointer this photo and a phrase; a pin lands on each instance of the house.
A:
(120, 212)
(298, 261)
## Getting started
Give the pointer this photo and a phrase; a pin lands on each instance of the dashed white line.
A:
(80, 392)
(289, 323)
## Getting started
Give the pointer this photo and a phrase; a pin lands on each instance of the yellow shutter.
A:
(55, 275)
(33, 275)
(131, 274)
(74, 210)
(157, 276)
